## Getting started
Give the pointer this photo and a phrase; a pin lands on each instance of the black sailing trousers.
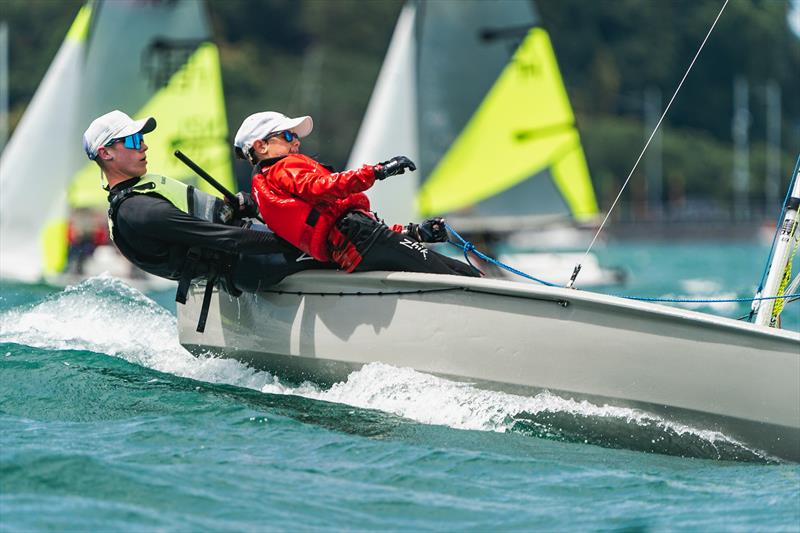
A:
(384, 249)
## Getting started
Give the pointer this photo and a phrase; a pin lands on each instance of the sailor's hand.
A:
(247, 206)
(394, 166)
(432, 230)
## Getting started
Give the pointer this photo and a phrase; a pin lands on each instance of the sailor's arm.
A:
(155, 218)
(310, 181)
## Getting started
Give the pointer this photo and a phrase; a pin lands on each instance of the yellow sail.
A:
(190, 112)
(523, 126)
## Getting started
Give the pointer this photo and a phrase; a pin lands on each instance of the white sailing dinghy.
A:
(740, 378)
(169, 68)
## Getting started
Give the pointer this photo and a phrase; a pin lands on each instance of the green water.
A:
(106, 423)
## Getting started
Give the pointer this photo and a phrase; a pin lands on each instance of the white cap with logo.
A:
(259, 125)
(113, 125)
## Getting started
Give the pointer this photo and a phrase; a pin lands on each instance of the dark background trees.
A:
(321, 57)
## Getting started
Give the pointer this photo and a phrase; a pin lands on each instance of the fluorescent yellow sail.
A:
(190, 112)
(80, 26)
(524, 125)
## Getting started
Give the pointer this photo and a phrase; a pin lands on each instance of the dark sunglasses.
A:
(288, 136)
(133, 142)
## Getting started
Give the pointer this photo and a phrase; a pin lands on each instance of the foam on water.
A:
(104, 315)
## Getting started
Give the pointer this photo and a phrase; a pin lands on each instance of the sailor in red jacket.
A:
(326, 214)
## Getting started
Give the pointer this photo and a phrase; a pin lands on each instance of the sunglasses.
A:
(133, 142)
(287, 135)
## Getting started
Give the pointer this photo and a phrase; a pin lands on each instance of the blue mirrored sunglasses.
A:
(287, 135)
(133, 142)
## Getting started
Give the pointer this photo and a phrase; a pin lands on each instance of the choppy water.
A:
(107, 423)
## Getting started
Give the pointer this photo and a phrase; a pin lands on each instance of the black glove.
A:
(247, 206)
(396, 165)
(432, 230)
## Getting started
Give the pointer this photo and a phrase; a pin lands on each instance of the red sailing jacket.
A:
(301, 200)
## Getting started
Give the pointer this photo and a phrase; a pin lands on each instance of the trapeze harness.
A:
(184, 264)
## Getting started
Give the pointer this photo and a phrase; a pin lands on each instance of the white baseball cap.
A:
(259, 125)
(113, 125)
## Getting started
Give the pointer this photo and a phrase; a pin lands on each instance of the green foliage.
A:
(36, 29)
(318, 58)
(321, 57)
(611, 51)
(695, 164)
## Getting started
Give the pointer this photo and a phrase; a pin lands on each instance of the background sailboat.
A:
(472, 91)
(145, 58)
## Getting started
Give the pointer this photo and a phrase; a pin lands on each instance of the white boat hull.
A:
(711, 372)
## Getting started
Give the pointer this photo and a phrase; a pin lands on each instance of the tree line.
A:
(322, 57)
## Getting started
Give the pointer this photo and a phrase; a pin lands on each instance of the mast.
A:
(769, 310)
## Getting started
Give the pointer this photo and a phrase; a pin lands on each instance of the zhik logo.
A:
(413, 245)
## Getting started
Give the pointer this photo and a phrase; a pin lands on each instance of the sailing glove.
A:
(432, 230)
(396, 165)
(247, 206)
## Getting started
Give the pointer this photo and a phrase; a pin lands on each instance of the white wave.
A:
(432, 400)
(104, 315)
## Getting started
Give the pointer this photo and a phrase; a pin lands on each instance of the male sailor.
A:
(326, 214)
(175, 231)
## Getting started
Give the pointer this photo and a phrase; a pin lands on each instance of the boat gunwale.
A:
(386, 283)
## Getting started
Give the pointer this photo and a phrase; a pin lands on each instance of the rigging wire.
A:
(628, 179)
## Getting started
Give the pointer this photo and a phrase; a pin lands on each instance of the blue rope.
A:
(704, 301)
(468, 248)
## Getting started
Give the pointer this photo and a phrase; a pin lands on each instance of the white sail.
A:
(390, 124)
(42, 155)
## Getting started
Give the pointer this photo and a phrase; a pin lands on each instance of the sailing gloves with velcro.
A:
(432, 230)
(247, 206)
(396, 165)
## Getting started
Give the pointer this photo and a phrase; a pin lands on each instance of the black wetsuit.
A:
(161, 236)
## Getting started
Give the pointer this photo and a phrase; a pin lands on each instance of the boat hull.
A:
(711, 372)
